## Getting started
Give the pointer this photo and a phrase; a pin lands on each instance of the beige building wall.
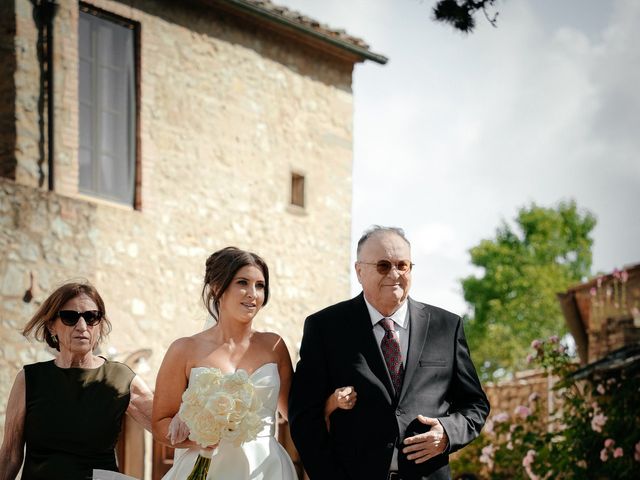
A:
(227, 113)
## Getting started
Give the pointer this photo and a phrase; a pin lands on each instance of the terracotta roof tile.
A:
(338, 34)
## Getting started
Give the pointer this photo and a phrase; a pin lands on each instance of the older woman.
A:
(68, 411)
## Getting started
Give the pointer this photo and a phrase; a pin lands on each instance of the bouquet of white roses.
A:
(216, 407)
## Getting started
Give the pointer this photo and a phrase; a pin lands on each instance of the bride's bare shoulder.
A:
(271, 340)
(189, 344)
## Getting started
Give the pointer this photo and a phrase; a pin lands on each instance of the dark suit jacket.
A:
(338, 349)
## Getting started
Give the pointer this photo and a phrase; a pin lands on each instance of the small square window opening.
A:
(297, 190)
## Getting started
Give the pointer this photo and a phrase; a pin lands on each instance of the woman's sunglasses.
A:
(71, 317)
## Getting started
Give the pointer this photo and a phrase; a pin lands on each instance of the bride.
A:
(236, 287)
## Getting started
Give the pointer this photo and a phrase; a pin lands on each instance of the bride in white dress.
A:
(236, 287)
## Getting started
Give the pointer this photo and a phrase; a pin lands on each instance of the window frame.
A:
(298, 195)
(135, 27)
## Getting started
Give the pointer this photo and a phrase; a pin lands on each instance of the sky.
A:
(457, 132)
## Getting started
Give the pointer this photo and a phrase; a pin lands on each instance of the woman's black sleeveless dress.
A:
(73, 418)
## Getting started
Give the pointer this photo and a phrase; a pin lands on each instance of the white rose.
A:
(241, 407)
(207, 379)
(234, 382)
(204, 429)
(188, 412)
(220, 403)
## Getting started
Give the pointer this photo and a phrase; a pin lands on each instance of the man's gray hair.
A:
(377, 229)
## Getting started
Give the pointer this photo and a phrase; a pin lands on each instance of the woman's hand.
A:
(178, 431)
(343, 397)
(140, 403)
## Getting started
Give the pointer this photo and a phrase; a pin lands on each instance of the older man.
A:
(418, 395)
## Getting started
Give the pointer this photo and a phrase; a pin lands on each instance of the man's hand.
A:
(427, 445)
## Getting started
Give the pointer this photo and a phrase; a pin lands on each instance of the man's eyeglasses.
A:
(383, 267)
(71, 317)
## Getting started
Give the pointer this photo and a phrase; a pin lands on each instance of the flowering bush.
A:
(593, 433)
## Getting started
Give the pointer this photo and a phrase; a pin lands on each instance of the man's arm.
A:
(468, 412)
(309, 391)
(469, 404)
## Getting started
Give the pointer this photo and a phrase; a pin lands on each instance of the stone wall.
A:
(227, 112)
(506, 396)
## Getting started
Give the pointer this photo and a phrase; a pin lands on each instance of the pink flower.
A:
(488, 426)
(530, 358)
(598, 421)
(536, 344)
(618, 452)
(604, 455)
(533, 397)
(553, 339)
(528, 459)
(522, 411)
(487, 456)
(609, 442)
(501, 417)
(600, 389)
(636, 454)
(593, 291)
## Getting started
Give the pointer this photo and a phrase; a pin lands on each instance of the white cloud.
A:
(457, 132)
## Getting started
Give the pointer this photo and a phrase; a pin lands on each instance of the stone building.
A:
(603, 314)
(138, 136)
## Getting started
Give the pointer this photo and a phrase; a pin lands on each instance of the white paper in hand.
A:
(108, 475)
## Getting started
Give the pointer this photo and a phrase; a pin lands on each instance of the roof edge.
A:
(273, 17)
(575, 323)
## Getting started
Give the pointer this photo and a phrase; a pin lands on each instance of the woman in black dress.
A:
(68, 411)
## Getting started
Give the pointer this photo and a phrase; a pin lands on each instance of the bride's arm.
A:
(285, 370)
(171, 382)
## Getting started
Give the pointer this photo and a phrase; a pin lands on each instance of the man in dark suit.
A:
(418, 395)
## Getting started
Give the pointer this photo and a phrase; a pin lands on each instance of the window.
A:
(107, 106)
(297, 190)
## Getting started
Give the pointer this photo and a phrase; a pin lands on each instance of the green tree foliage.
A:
(524, 267)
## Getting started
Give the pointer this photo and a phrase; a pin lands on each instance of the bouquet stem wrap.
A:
(201, 468)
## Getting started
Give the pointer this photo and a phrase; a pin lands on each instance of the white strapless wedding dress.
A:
(260, 459)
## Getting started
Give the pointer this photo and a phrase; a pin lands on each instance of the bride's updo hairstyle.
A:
(221, 267)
